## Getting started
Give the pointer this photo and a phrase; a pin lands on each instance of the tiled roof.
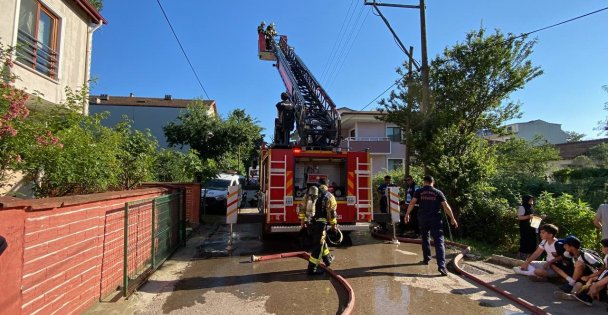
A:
(112, 100)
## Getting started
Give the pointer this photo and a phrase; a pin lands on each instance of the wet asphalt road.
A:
(387, 279)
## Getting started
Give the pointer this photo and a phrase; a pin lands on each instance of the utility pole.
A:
(425, 60)
(424, 68)
(410, 103)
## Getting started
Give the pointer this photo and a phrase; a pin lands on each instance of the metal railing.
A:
(153, 229)
(36, 55)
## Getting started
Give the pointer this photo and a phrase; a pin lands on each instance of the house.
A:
(551, 133)
(54, 40)
(146, 112)
(361, 130)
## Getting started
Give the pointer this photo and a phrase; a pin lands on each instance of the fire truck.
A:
(286, 171)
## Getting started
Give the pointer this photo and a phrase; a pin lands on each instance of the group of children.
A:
(584, 271)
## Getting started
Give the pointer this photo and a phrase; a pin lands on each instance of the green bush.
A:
(175, 166)
(490, 220)
(570, 216)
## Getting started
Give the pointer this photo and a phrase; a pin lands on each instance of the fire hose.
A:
(304, 255)
(465, 250)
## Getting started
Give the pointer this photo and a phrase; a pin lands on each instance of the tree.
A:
(599, 155)
(573, 136)
(137, 154)
(175, 166)
(98, 4)
(214, 139)
(470, 86)
(603, 125)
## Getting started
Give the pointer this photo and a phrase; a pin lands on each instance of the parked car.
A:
(215, 192)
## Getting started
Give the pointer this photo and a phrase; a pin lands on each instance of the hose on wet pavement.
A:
(348, 309)
(465, 250)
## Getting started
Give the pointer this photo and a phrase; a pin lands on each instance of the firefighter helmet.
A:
(334, 236)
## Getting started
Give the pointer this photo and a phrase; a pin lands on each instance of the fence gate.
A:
(153, 229)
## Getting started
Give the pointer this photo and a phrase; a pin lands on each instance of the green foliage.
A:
(175, 166)
(230, 143)
(12, 114)
(66, 152)
(136, 154)
(572, 217)
(573, 136)
(470, 84)
(490, 220)
(520, 157)
(599, 155)
(587, 184)
(98, 4)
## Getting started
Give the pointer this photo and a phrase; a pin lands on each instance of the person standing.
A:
(527, 234)
(325, 213)
(383, 192)
(430, 200)
(411, 187)
(285, 120)
(601, 219)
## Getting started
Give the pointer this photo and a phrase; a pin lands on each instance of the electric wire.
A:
(340, 57)
(333, 79)
(333, 49)
(182, 48)
(507, 40)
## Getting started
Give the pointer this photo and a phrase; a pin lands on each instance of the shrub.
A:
(490, 220)
(572, 217)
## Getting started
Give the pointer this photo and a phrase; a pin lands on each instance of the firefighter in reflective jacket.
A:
(325, 213)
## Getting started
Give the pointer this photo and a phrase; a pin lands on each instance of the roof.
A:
(111, 100)
(570, 150)
(91, 11)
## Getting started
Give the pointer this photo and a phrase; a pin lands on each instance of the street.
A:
(386, 279)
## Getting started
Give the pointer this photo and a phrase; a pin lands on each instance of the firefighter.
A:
(284, 123)
(261, 27)
(270, 34)
(325, 213)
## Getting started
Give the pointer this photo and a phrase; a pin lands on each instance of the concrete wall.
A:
(64, 254)
(73, 40)
(153, 118)
(553, 133)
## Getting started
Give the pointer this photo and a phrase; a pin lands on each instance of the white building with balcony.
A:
(361, 130)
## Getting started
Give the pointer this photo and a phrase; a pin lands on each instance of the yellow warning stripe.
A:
(231, 212)
(230, 195)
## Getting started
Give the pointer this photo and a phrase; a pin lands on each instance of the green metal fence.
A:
(153, 229)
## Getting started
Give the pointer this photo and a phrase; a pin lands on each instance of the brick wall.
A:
(66, 253)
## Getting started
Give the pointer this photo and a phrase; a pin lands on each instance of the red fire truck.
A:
(286, 171)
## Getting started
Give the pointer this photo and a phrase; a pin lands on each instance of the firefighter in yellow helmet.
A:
(324, 214)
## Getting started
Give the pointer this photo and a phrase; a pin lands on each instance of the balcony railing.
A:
(374, 144)
(36, 55)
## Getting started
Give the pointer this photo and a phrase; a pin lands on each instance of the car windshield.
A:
(219, 184)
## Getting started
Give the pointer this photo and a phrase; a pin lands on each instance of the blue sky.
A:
(136, 51)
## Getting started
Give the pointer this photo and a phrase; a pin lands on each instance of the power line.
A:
(182, 48)
(336, 41)
(509, 39)
(332, 80)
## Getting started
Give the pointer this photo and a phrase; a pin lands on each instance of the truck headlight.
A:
(220, 197)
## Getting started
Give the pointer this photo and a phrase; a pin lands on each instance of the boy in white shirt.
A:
(541, 269)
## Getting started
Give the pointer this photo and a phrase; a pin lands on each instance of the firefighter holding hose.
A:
(324, 213)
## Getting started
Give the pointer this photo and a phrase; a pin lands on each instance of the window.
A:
(393, 134)
(37, 38)
(394, 164)
(353, 133)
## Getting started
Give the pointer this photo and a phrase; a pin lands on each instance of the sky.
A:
(347, 48)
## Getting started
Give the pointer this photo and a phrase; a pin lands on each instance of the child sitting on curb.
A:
(597, 281)
(540, 270)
